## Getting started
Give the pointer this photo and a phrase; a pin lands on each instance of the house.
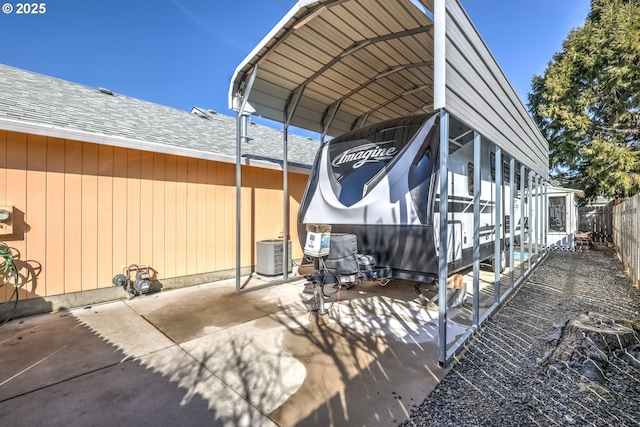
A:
(96, 181)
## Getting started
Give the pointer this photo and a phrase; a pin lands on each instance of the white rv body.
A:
(380, 183)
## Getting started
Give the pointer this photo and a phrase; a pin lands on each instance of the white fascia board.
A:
(135, 144)
(560, 191)
(252, 57)
(439, 54)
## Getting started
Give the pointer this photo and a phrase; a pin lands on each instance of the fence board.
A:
(598, 221)
(626, 235)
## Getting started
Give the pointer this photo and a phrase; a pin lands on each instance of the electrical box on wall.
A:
(6, 220)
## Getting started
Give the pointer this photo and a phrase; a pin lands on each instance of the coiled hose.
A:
(8, 271)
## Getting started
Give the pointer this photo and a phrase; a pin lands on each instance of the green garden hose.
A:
(8, 271)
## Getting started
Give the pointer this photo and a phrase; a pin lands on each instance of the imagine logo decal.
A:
(365, 153)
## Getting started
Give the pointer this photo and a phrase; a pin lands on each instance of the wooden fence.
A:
(597, 220)
(626, 234)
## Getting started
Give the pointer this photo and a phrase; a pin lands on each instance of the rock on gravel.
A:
(503, 379)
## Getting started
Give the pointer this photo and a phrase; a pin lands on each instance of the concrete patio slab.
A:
(205, 355)
(39, 351)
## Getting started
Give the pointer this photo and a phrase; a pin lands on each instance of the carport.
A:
(330, 66)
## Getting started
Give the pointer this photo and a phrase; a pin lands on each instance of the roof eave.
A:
(253, 58)
(135, 144)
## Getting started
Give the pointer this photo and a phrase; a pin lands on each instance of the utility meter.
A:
(6, 222)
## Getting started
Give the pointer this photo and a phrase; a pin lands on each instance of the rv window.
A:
(506, 168)
(470, 178)
(419, 182)
(492, 162)
(506, 172)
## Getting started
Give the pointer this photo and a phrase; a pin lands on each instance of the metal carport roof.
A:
(341, 64)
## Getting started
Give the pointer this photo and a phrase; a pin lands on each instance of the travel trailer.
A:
(378, 189)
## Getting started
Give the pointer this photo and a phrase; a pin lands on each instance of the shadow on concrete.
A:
(56, 371)
(371, 365)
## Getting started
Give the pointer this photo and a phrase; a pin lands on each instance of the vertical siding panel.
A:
(272, 199)
(226, 174)
(133, 207)
(170, 223)
(3, 196)
(73, 217)
(192, 215)
(3, 171)
(293, 209)
(300, 185)
(17, 197)
(262, 212)
(219, 225)
(55, 216)
(273, 185)
(246, 216)
(211, 216)
(35, 215)
(89, 216)
(159, 206)
(201, 238)
(181, 216)
(120, 200)
(105, 216)
(146, 208)
(259, 199)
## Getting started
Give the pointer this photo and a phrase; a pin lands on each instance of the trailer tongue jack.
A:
(336, 262)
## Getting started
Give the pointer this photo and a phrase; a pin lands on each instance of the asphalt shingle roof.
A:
(30, 97)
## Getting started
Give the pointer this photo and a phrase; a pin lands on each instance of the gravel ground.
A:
(500, 380)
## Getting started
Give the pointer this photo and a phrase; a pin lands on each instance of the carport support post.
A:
(498, 234)
(523, 180)
(285, 202)
(538, 217)
(512, 225)
(285, 182)
(443, 243)
(477, 184)
(531, 223)
(241, 133)
(546, 214)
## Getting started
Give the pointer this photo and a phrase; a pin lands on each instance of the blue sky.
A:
(183, 53)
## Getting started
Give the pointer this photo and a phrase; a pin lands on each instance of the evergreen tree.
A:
(587, 103)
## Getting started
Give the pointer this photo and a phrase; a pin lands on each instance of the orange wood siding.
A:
(89, 203)
(82, 211)
(72, 217)
(119, 226)
(170, 216)
(55, 232)
(105, 233)
(3, 190)
(17, 197)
